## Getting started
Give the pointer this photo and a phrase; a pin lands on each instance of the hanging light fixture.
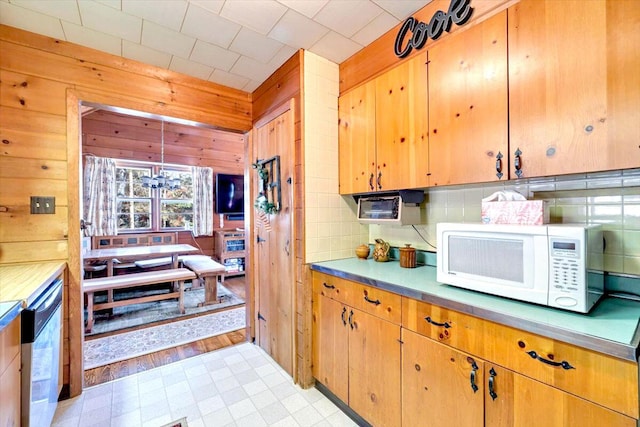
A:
(160, 181)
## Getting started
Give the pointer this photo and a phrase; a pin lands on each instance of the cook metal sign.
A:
(459, 13)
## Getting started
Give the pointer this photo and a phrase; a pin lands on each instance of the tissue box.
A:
(524, 212)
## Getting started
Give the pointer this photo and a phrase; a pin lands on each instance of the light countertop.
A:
(20, 284)
(611, 327)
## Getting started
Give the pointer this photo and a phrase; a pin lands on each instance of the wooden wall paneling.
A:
(281, 86)
(47, 250)
(20, 226)
(15, 192)
(378, 56)
(25, 144)
(32, 93)
(31, 121)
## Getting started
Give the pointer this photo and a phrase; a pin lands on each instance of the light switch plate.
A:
(43, 205)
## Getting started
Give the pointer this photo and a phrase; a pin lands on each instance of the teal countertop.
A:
(611, 327)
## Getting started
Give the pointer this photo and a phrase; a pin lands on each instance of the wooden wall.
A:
(42, 81)
(282, 86)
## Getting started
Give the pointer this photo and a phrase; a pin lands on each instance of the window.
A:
(144, 209)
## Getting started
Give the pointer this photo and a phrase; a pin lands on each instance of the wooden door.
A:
(402, 143)
(437, 385)
(468, 119)
(574, 85)
(331, 345)
(274, 278)
(374, 366)
(523, 402)
(357, 139)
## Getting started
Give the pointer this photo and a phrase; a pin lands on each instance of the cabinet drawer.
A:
(594, 376)
(383, 304)
(329, 286)
(447, 326)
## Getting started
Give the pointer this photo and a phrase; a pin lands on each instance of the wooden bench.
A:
(91, 286)
(136, 239)
(208, 271)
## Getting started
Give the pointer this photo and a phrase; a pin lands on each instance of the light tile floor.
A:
(234, 386)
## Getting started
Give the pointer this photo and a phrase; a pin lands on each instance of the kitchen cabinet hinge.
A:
(261, 317)
(400, 341)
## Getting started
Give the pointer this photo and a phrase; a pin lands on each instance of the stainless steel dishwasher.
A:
(41, 356)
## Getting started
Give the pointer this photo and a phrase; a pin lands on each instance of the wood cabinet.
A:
(230, 251)
(599, 384)
(347, 338)
(448, 387)
(574, 85)
(383, 131)
(10, 366)
(468, 110)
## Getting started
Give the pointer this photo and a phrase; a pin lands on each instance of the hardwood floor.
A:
(124, 368)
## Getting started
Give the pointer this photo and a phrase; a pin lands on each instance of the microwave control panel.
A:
(567, 265)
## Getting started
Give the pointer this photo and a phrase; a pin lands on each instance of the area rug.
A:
(117, 347)
(150, 312)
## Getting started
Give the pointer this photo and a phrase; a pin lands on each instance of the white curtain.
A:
(100, 196)
(202, 201)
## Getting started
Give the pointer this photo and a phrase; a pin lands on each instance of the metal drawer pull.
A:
(371, 182)
(472, 375)
(351, 319)
(499, 173)
(433, 322)
(376, 302)
(564, 364)
(492, 379)
(344, 311)
(328, 286)
(378, 180)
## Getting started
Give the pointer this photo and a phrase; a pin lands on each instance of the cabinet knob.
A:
(517, 163)
(499, 173)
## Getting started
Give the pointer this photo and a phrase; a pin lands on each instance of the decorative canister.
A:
(407, 256)
(362, 251)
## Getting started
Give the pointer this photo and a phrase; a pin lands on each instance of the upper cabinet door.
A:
(574, 85)
(357, 139)
(401, 126)
(468, 105)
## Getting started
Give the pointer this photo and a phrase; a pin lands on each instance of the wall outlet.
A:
(43, 205)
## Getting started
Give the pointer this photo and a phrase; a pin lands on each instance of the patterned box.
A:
(526, 212)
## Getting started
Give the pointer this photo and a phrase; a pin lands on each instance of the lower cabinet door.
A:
(331, 345)
(441, 387)
(374, 366)
(513, 400)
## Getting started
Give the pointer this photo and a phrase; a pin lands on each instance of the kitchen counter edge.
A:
(616, 349)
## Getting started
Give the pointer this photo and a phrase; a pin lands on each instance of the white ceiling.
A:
(236, 43)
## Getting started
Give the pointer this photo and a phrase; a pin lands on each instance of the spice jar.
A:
(407, 256)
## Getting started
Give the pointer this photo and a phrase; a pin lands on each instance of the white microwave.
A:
(554, 265)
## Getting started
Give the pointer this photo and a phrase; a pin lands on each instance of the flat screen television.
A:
(229, 194)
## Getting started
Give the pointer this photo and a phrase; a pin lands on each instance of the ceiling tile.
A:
(208, 26)
(214, 6)
(29, 20)
(254, 45)
(297, 30)
(228, 79)
(259, 15)
(66, 10)
(347, 17)
(168, 13)
(402, 9)
(213, 56)
(162, 38)
(373, 29)
(145, 54)
(114, 4)
(282, 56)
(308, 8)
(93, 39)
(251, 86)
(110, 21)
(335, 47)
(184, 66)
(251, 69)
